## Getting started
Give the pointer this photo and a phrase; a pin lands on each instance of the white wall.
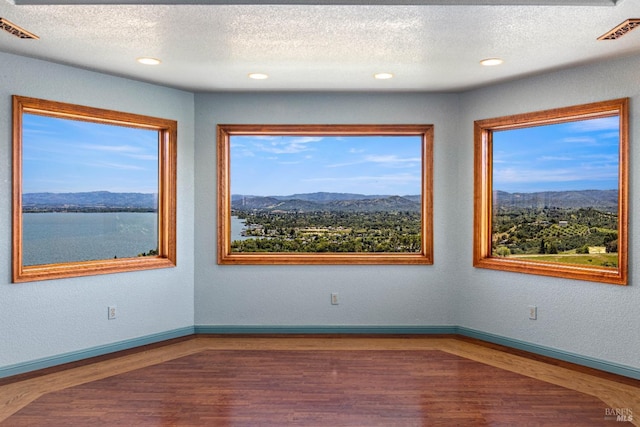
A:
(591, 319)
(300, 295)
(50, 318)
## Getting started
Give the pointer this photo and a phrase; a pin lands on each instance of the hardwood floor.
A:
(320, 381)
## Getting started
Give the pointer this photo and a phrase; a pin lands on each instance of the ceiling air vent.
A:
(13, 29)
(621, 30)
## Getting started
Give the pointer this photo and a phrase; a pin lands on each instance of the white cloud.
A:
(264, 137)
(610, 135)
(605, 123)
(143, 156)
(579, 140)
(243, 153)
(307, 139)
(390, 160)
(396, 179)
(528, 176)
(282, 144)
(120, 166)
(111, 148)
(283, 148)
(554, 158)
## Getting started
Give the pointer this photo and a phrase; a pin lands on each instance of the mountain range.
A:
(324, 201)
(599, 199)
(89, 200)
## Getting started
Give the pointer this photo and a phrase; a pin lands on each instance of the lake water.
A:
(57, 237)
(237, 225)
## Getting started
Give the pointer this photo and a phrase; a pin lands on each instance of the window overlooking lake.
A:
(550, 192)
(333, 194)
(94, 191)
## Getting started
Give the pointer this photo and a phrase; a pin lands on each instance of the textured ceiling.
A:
(322, 47)
(335, 2)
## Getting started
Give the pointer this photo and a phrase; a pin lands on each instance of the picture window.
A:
(325, 194)
(551, 192)
(94, 191)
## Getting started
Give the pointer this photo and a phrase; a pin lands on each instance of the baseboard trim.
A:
(331, 329)
(74, 356)
(565, 356)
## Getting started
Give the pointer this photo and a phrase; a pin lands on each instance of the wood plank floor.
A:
(319, 381)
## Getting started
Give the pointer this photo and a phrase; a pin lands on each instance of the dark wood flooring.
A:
(241, 387)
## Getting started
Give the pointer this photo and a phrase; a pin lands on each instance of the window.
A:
(325, 194)
(551, 192)
(94, 191)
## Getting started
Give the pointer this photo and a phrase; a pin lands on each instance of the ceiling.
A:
(428, 45)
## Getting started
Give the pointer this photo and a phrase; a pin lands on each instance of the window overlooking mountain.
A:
(95, 191)
(296, 194)
(551, 192)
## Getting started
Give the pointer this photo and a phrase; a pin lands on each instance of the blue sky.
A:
(283, 165)
(579, 155)
(61, 156)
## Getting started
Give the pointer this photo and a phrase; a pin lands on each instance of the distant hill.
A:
(321, 197)
(324, 197)
(324, 201)
(599, 199)
(89, 201)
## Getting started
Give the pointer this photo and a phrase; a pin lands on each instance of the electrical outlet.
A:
(111, 312)
(533, 312)
(334, 298)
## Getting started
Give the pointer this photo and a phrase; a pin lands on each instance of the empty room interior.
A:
(504, 292)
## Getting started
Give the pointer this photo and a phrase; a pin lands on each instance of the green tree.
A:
(583, 249)
(543, 247)
(503, 251)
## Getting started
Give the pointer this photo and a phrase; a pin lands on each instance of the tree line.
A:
(329, 232)
(553, 230)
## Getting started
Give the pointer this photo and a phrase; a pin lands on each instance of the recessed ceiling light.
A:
(490, 62)
(148, 61)
(383, 76)
(258, 76)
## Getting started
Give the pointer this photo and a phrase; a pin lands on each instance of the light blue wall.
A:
(46, 319)
(49, 318)
(590, 319)
(596, 321)
(300, 295)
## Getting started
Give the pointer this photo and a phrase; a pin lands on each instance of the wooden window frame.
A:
(167, 158)
(225, 256)
(483, 159)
